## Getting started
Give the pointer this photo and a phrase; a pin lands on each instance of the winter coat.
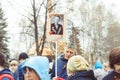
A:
(7, 74)
(112, 76)
(82, 75)
(61, 68)
(40, 65)
(19, 72)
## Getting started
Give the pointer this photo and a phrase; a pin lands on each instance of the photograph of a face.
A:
(57, 24)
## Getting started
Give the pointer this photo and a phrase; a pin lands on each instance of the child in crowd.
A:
(13, 63)
(114, 61)
(36, 68)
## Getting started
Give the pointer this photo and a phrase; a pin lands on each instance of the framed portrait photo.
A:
(57, 24)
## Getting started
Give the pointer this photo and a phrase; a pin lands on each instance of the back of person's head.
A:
(98, 65)
(76, 63)
(23, 56)
(3, 61)
(114, 57)
(40, 64)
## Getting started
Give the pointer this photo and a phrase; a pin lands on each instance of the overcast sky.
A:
(12, 11)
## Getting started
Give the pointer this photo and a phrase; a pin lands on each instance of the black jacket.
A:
(112, 76)
(58, 30)
(82, 75)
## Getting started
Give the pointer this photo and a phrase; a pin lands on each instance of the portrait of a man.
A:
(57, 25)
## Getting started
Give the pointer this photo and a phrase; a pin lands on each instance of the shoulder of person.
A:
(109, 76)
(6, 77)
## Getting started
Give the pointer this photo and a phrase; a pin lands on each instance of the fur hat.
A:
(76, 63)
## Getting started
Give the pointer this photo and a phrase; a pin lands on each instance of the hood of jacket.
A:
(82, 75)
(98, 65)
(40, 64)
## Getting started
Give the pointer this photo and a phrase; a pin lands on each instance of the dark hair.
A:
(23, 55)
(3, 61)
(12, 60)
(114, 57)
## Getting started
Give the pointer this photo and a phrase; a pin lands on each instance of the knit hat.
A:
(98, 65)
(23, 55)
(76, 63)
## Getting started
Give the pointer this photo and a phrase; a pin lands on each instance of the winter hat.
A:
(23, 55)
(76, 63)
(98, 65)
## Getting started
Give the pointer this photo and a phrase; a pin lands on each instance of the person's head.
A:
(76, 63)
(13, 64)
(114, 59)
(69, 51)
(22, 56)
(106, 66)
(3, 62)
(56, 19)
(37, 68)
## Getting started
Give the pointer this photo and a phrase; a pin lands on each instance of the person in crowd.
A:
(36, 68)
(13, 64)
(23, 56)
(98, 70)
(78, 69)
(106, 67)
(19, 73)
(56, 27)
(114, 62)
(5, 73)
(60, 64)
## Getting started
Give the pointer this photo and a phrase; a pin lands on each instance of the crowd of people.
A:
(69, 66)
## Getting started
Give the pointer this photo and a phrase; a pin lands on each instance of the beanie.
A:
(76, 63)
(23, 56)
(98, 65)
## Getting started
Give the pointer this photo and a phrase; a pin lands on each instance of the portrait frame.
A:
(60, 28)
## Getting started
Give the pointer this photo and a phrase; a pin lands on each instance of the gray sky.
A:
(12, 11)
